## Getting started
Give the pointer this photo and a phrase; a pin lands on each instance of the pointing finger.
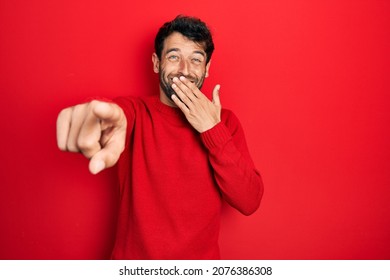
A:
(105, 111)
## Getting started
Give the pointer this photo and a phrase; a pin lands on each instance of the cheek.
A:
(200, 72)
(168, 68)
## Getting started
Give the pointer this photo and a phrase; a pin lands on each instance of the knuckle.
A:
(78, 112)
(64, 117)
(71, 147)
(64, 112)
(93, 103)
(86, 144)
(78, 108)
(91, 106)
(111, 158)
(62, 146)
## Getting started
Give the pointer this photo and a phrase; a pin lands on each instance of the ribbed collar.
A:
(173, 113)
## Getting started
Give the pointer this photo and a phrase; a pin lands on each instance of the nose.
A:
(184, 67)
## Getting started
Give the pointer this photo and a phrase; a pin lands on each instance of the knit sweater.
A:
(173, 179)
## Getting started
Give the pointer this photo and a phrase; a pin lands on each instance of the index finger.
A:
(106, 111)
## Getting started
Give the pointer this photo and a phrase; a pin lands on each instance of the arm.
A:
(239, 182)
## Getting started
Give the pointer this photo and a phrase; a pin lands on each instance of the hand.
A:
(200, 112)
(96, 129)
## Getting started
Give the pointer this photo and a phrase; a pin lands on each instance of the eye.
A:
(197, 60)
(173, 57)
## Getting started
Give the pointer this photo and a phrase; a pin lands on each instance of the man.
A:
(179, 154)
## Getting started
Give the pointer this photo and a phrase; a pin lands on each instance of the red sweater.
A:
(173, 180)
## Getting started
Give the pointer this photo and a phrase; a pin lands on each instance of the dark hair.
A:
(190, 27)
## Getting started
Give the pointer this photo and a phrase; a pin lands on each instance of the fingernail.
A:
(97, 167)
(182, 78)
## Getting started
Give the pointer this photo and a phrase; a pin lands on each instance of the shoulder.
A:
(134, 101)
(134, 104)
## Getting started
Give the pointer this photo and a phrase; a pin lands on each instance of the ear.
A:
(207, 68)
(156, 63)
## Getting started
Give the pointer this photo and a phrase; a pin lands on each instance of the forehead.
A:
(177, 40)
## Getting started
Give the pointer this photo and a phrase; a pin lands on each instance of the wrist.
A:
(209, 126)
(216, 136)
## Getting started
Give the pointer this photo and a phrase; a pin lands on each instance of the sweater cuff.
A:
(216, 136)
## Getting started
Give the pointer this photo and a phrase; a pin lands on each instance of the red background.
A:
(308, 80)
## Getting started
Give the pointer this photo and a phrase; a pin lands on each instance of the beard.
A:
(166, 82)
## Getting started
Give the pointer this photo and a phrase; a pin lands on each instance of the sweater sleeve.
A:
(128, 104)
(238, 180)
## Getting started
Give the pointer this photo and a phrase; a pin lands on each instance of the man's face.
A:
(180, 57)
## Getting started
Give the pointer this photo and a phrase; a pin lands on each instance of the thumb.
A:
(108, 156)
(216, 99)
(96, 165)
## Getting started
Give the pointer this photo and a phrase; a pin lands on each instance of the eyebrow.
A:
(172, 50)
(178, 50)
(200, 52)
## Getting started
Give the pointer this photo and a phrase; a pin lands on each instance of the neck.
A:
(165, 100)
